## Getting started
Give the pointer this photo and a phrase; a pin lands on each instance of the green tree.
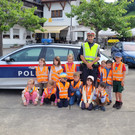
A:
(99, 15)
(12, 12)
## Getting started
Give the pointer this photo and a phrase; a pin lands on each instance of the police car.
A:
(18, 67)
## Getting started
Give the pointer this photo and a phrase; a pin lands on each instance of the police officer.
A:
(90, 55)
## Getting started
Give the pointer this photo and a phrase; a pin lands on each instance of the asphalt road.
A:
(15, 119)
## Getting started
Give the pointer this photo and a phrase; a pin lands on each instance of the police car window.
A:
(29, 54)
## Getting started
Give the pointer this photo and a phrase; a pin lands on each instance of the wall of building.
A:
(8, 42)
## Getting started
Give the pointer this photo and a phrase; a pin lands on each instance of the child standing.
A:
(106, 77)
(87, 94)
(30, 93)
(70, 67)
(42, 75)
(56, 70)
(119, 73)
(100, 97)
(100, 69)
(63, 91)
(75, 88)
(49, 93)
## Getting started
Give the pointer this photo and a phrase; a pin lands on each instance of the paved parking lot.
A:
(15, 119)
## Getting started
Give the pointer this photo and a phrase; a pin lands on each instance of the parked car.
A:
(19, 66)
(128, 52)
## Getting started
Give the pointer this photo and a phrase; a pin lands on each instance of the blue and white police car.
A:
(19, 66)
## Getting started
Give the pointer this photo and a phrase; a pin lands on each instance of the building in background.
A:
(59, 26)
(19, 35)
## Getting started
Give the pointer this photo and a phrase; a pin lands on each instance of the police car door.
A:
(15, 73)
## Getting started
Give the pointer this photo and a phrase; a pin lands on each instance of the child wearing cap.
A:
(49, 93)
(75, 88)
(70, 67)
(87, 94)
(30, 93)
(63, 91)
(119, 73)
(100, 97)
(106, 77)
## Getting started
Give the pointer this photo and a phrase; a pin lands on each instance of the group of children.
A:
(62, 87)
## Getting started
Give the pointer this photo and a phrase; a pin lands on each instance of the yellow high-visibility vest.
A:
(90, 53)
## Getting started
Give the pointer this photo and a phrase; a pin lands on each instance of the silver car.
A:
(19, 66)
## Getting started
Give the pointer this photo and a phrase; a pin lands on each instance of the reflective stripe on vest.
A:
(48, 95)
(42, 76)
(88, 91)
(71, 71)
(104, 94)
(117, 74)
(63, 90)
(35, 89)
(90, 53)
(55, 75)
(107, 79)
(76, 86)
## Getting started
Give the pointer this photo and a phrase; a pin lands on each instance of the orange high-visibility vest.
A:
(107, 79)
(71, 71)
(100, 69)
(35, 89)
(88, 91)
(104, 94)
(42, 76)
(118, 74)
(76, 86)
(63, 90)
(48, 95)
(55, 75)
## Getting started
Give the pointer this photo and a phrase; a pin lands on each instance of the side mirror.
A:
(7, 59)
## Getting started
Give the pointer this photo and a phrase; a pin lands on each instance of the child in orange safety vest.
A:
(100, 97)
(55, 70)
(70, 67)
(119, 73)
(49, 93)
(76, 89)
(42, 75)
(87, 94)
(30, 93)
(63, 91)
(106, 77)
(100, 69)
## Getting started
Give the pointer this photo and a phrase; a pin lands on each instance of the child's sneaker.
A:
(96, 107)
(109, 102)
(115, 105)
(119, 105)
(102, 108)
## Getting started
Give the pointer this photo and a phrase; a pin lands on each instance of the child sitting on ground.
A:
(49, 93)
(100, 97)
(87, 94)
(63, 91)
(30, 93)
(75, 88)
